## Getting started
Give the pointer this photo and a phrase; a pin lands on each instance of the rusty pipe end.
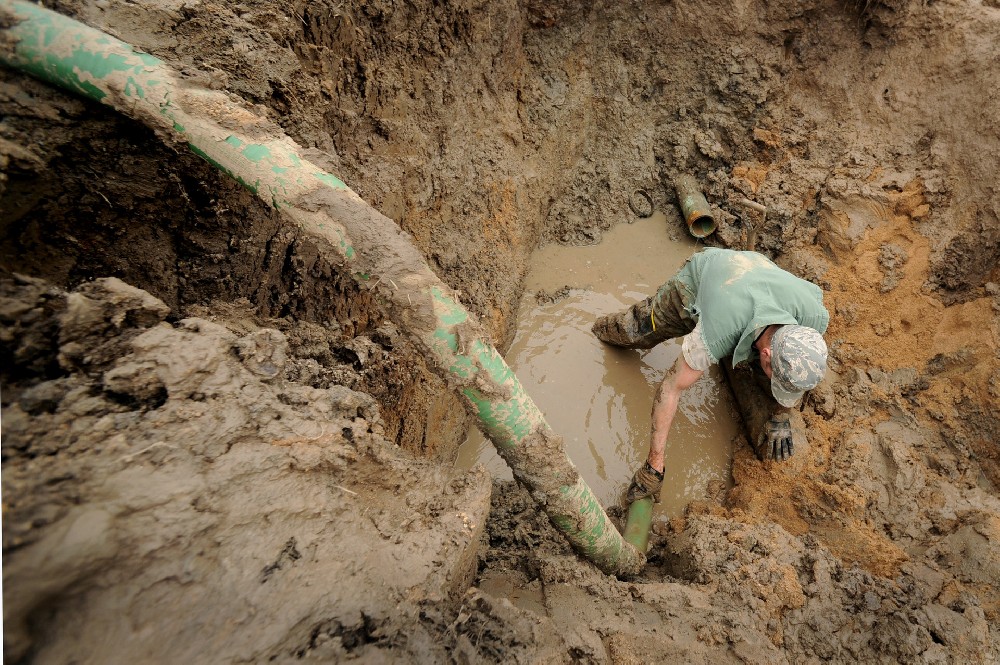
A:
(694, 207)
(701, 225)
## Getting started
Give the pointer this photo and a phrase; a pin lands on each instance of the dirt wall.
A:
(92, 194)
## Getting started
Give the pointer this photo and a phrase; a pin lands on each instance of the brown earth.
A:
(244, 461)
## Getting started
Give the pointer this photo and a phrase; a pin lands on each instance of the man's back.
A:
(736, 293)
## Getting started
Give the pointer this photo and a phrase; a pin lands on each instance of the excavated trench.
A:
(225, 452)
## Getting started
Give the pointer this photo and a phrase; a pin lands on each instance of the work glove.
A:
(779, 438)
(647, 481)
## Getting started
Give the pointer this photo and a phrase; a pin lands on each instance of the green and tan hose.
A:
(372, 247)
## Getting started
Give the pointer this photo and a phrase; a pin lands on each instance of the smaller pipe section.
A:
(751, 239)
(640, 519)
(694, 207)
(759, 207)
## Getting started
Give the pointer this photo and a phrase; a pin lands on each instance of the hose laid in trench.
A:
(380, 255)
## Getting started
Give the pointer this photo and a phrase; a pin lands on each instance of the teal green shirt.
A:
(737, 293)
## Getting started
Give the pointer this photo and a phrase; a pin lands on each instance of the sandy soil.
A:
(220, 451)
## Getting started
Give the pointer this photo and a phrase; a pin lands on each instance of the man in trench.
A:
(726, 303)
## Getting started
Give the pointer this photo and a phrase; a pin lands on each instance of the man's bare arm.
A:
(680, 377)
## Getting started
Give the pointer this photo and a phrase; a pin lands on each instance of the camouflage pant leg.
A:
(648, 322)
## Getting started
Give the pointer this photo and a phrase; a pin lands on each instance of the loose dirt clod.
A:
(215, 448)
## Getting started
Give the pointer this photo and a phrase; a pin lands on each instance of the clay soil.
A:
(217, 449)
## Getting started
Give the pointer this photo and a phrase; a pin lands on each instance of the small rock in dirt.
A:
(45, 397)
(708, 144)
(943, 362)
(892, 258)
(264, 353)
(824, 400)
(543, 297)
(138, 381)
(848, 312)
(122, 304)
(95, 314)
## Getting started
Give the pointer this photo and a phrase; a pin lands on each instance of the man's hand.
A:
(647, 481)
(778, 441)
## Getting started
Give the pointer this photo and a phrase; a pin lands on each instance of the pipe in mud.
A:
(380, 256)
(694, 207)
(639, 522)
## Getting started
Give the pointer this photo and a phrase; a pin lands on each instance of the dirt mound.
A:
(134, 464)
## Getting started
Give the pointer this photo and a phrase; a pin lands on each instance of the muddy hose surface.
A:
(377, 252)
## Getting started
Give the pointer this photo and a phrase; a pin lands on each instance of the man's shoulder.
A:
(734, 257)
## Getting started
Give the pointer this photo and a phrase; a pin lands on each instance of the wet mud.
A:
(216, 447)
(599, 397)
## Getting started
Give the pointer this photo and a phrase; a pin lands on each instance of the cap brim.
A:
(786, 398)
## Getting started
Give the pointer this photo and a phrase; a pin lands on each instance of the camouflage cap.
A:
(798, 362)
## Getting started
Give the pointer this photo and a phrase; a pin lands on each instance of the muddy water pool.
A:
(597, 397)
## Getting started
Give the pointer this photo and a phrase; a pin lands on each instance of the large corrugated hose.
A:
(372, 247)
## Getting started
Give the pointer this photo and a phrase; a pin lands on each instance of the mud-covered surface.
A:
(189, 468)
(244, 461)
